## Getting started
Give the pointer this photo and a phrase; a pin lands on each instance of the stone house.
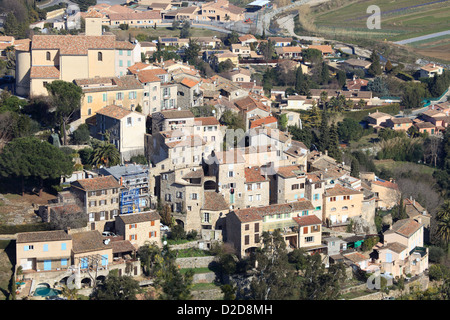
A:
(140, 228)
(257, 187)
(100, 198)
(341, 204)
(245, 226)
(189, 93)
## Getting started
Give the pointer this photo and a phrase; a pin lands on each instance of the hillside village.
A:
(205, 143)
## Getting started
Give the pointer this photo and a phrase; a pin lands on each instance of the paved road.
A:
(426, 37)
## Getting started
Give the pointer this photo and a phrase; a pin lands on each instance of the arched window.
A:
(344, 208)
(48, 57)
(100, 56)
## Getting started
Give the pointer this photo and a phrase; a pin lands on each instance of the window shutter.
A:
(130, 237)
(305, 230)
(130, 226)
(97, 216)
(152, 223)
(135, 237)
(99, 192)
(149, 234)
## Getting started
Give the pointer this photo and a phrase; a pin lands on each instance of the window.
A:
(102, 215)
(45, 247)
(247, 240)
(26, 248)
(309, 239)
(89, 112)
(258, 197)
(128, 63)
(120, 63)
(119, 96)
(63, 246)
(105, 96)
(193, 196)
(168, 197)
(92, 203)
(346, 197)
(317, 196)
(63, 262)
(129, 122)
(250, 198)
(132, 226)
(89, 99)
(256, 238)
(179, 194)
(128, 52)
(332, 199)
(294, 186)
(345, 208)
(120, 52)
(165, 176)
(206, 217)
(91, 217)
(100, 56)
(48, 56)
(256, 227)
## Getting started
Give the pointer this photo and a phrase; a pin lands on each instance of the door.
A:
(47, 265)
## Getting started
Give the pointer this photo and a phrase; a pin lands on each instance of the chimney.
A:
(68, 231)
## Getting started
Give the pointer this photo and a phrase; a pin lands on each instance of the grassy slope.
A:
(394, 25)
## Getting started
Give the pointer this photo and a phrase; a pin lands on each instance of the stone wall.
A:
(194, 262)
(211, 294)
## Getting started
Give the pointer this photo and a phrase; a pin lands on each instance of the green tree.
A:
(185, 31)
(11, 25)
(116, 288)
(324, 74)
(341, 78)
(66, 97)
(192, 51)
(282, 121)
(354, 168)
(443, 223)
(388, 67)
(333, 146)
(81, 135)
(175, 24)
(273, 279)
(301, 82)
(29, 157)
(324, 139)
(375, 66)
(105, 154)
(313, 56)
(349, 129)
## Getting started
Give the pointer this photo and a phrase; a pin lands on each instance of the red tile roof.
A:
(214, 201)
(307, 220)
(44, 72)
(386, 184)
(253, 174)
(73, 44)
(340, 190)
(263, 121)
(113, 111)
(98, 183)
(257, 213)
(207, 121)
(189, 82)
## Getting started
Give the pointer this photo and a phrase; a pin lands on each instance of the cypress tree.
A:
(324, 139)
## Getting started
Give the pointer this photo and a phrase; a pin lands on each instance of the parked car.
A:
(164, 227)
(108, 234)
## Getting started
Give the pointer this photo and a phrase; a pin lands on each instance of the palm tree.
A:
(69, 293)
(443, 222)
(105, 154)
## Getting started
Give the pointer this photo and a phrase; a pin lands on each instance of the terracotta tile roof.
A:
(431, 67)
(214, 201)
(355, 257)
(280, 39)
(66, 208)
(254, 174)
(139, 15)
(113, 111)
(386, 184)
(124, 45)
(394, 246)
(47, 72)
(194, 174)
(339, 190)
(39, 236)
(273, 133)
(140, 217)
(286, 49)
(138, 66)
(98, 183)
(323, 48)
(101, 84)
(88, 241)
(93, 14)
(73, 44)
(6, 39)
(249, 103)
(122, 246)
(377, 115)
(406, 227)
(189, 82)
(289, 171)
(263, 121)
(307, 220)
(257, 213)
(145, 76)
(247, 37)
(424, 125)
(206, 121)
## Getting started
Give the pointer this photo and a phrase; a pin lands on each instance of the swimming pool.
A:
(44, 290)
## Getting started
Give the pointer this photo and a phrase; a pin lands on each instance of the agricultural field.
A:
(400, 19)
(438, 48)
